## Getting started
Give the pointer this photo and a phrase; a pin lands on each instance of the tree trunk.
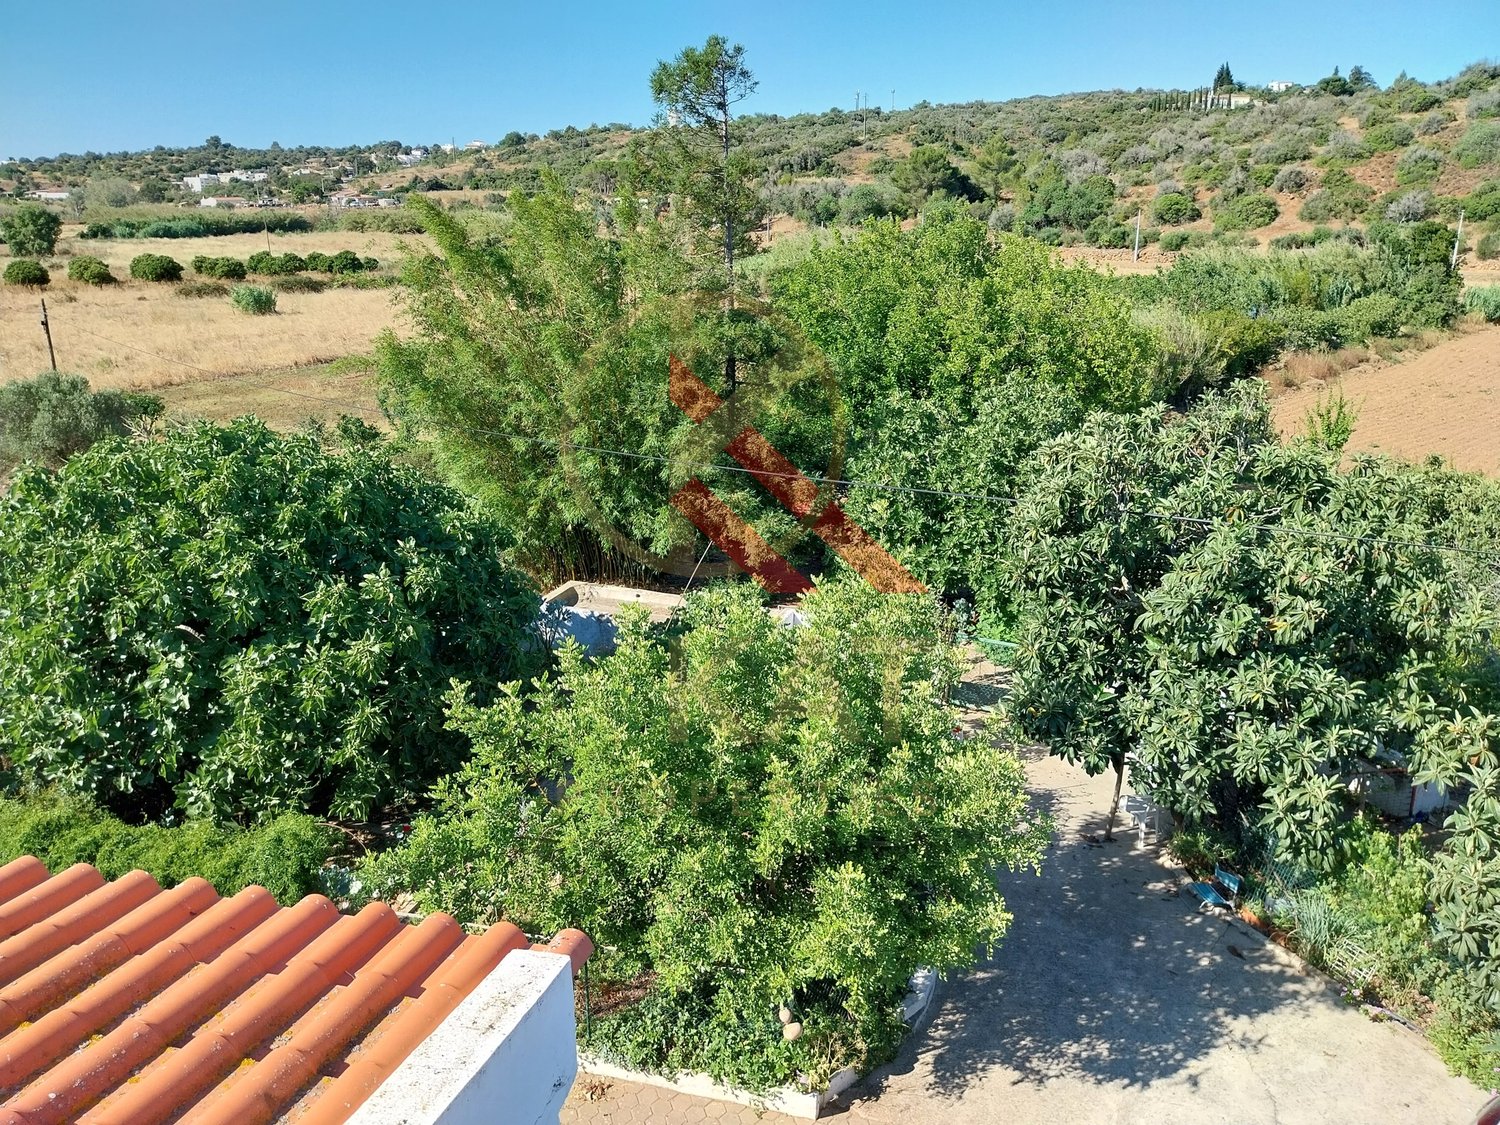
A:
(1114, 805)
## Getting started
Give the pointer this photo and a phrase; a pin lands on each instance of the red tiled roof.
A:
(124, 1003)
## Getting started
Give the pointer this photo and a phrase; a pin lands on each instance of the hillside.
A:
(1072, 169)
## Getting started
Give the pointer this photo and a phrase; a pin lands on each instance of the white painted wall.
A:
(507, 1053)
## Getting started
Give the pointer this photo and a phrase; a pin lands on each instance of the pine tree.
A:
(1223, 79)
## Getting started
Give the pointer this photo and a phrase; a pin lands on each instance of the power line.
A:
(558, 445)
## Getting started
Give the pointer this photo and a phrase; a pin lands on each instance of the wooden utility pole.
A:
(47, 330)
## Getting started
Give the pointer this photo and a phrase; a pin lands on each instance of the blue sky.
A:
(107, 76)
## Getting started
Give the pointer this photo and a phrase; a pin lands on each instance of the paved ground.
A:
(1115, 1001)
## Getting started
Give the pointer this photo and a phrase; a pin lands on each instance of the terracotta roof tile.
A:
(124, 1003)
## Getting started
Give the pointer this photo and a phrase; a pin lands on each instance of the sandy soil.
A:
(1445, 400)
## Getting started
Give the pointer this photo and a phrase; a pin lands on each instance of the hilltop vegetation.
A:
(1066, 169)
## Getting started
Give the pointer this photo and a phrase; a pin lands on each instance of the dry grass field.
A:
(145, 336)
(1445, 400)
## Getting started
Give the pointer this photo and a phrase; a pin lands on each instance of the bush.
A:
(1483, 105)
(30, 229)
(1434, 123)
(1484, 300)
(1291, 180)
(682, 799)
(1246, 212)
(285, 856)
(345, 261)
(1489, 246)
(1419, 165)
(317, 261)
(155, 267)
(298, 283)
(1174, 239)
(253, 299)
(1479, 146)
(238, 623)
(90, 271)
(1417, 99)
(1174, 208)
(23, 271)
(54, 416)
(275, 265)
(225, 269)
(1389, 136)
(1412, 207)
(197, 289)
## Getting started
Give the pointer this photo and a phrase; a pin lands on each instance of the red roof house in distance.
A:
(124, 1003)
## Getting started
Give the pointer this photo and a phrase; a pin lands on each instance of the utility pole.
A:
(1135, 255)
(893, 99)
(47, 329)
(1457, 238)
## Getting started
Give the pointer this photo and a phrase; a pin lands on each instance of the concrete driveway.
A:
(1115, 1000)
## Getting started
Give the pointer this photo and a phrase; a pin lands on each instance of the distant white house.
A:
(209, 179)
(415, 156)
(50, 195)
(220, 201)
(1279, 86)
(474, 146)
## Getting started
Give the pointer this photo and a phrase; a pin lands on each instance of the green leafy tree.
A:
(928, 172)
(996, 163)
(1223, 78)
(757, 816)
(30, 229)
(231, 622)
(1242, 621)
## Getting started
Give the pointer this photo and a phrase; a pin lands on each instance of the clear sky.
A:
(107, 76)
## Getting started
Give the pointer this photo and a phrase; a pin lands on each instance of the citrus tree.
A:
(747, 816)
(236, 623)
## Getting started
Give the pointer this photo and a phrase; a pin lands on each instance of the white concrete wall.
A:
(507, 1053)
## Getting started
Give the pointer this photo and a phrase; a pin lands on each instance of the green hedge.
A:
(284, 855)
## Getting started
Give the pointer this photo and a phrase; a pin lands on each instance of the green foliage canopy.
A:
(758, 815)
(236, 623)
(30, 229)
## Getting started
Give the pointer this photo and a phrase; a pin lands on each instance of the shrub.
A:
(1412, 207)
(1480, 145)
(1483, 202)
(1246, 212)
(681, 800)
(317, 261)
(1417, 99)
(90, 271)
(239, 623)
(275, 265)
(30, 229)
(23, 271)
(1489, 246)
(1434, 123)
(53, 416)
(253, 299)
(285, 855)
(298, 283)
(1419, 165)
(225, 269)
(155, 267)
(1173, 239)
(1173, 208)
(345, 261)
(1389, 136)
(203, 289)
(1291, 180)
(369, 264)
(1484, 300)
(1483, 105)
(1343, 145)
